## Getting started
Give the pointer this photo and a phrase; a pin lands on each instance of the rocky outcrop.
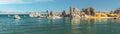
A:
(89, 11)
(64, 13)
(74, 12)
(117, 11)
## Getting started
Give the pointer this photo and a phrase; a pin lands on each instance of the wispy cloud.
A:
(43, 0)
(22, 1)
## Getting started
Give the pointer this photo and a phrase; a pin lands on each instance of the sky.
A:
(56, 5)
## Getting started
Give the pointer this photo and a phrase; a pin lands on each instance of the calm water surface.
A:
(27, 25)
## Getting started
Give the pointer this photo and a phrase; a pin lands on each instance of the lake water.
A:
(27, 25)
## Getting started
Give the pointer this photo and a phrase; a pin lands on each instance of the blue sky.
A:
(56, 5)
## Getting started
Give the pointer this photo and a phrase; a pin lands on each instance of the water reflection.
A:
(115, 20)
(50, 21)
(89, 26)
(82, 26)
(75, 21)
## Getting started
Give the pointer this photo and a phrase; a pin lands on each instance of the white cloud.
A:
(43, 0)
(22, 1)
(10, 1)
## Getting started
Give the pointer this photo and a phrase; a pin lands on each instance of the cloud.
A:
(22, 1)
(10, 1)
(43, 0)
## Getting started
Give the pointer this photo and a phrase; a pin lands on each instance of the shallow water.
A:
(27, 25)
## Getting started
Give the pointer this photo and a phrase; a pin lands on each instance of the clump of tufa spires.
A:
(84, 13)
(117, 11)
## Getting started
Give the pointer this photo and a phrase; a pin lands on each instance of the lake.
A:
(27, 25)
